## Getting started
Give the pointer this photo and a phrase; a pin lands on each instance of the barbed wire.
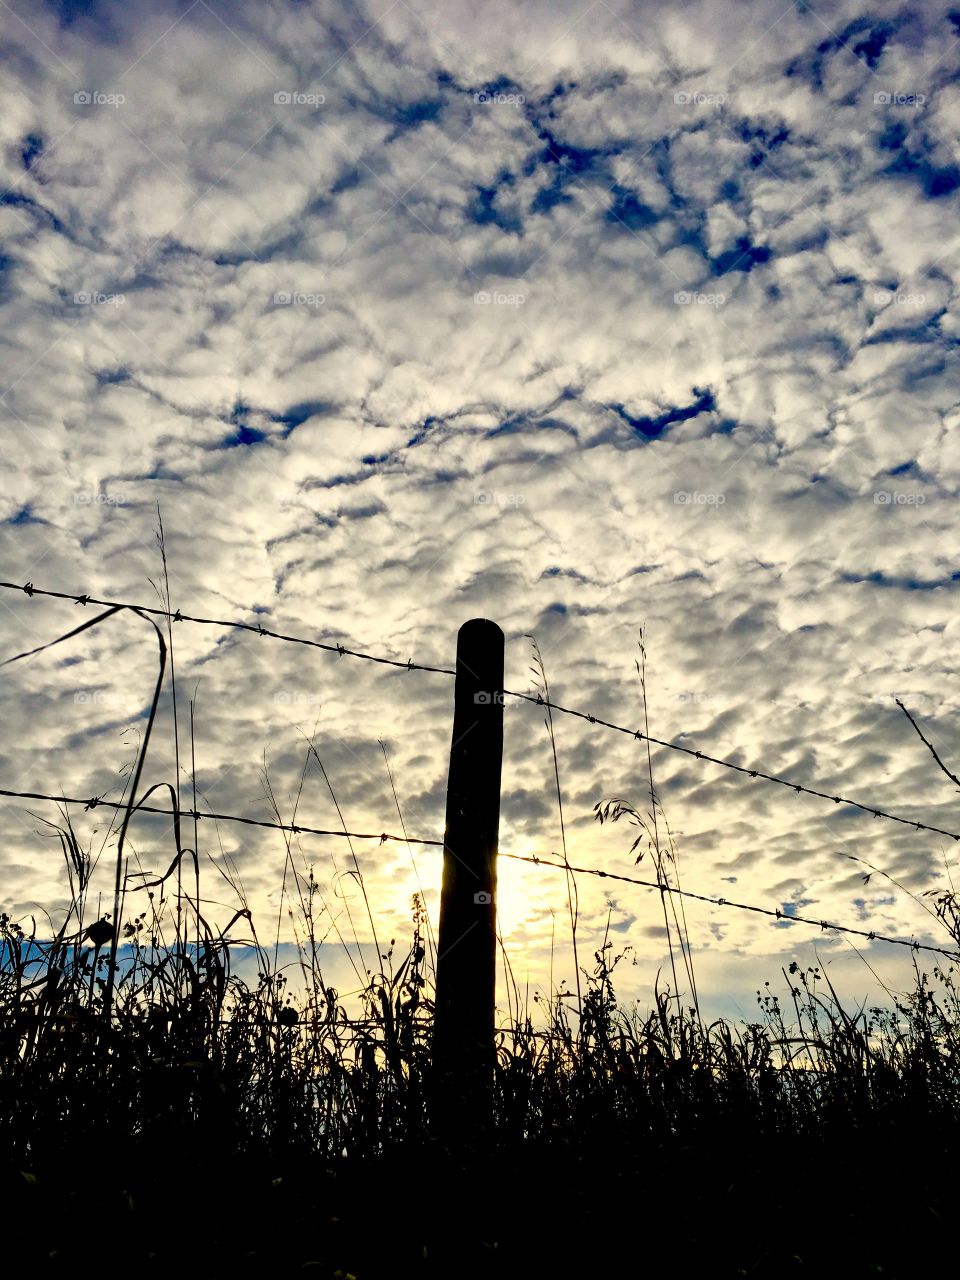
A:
(760, 774)
(298, 829)
(295, 827)
(175, 615)
(776, 913)
(537, 699)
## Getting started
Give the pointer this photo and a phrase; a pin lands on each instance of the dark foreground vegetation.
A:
(208, 1127)
(159, 1116)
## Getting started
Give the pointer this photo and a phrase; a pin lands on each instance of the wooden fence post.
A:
(463, 1039)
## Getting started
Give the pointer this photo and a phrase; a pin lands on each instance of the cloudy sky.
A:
(581, 317)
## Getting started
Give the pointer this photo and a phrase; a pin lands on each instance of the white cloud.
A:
(383, 456)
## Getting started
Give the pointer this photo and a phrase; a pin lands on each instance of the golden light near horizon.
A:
(370, 370)
(371, 481)
(525, 893)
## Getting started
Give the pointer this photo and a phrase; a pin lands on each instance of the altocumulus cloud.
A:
(580, 317)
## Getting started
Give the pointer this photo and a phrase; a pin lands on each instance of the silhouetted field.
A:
(158, 1114)
(291, 1137)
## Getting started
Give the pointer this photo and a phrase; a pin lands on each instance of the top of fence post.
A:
(466, 948)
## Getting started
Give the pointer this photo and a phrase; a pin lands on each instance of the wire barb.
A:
(773, 913)
(534, 859)
(223, 817)
(537, 699)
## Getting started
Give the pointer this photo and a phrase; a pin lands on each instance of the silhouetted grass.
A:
(246, 1094)
(159, 1112)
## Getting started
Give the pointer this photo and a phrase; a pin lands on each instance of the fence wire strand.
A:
(295, 827)
(775, 913)
(298, 829)
(175, 615)
(761, 775)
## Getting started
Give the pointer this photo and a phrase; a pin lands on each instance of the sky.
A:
(598, 320)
